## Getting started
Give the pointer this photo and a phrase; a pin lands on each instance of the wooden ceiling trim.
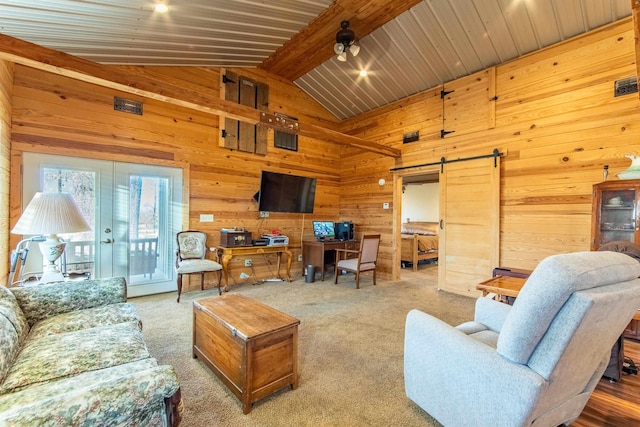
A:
(635, 12)
(313, 45)
(146, 84)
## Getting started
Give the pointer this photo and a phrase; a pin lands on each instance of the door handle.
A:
(107, 241)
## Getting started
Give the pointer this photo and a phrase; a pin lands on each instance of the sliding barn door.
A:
(470, 213)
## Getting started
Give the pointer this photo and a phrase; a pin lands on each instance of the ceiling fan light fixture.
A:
(345, 41)
(161, 8)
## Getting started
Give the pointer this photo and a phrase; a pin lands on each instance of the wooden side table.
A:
(502, 286)
(251, 347)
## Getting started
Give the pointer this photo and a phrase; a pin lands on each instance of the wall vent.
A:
(411, 137)
(284, 140)
(626, 86)
(127, 105)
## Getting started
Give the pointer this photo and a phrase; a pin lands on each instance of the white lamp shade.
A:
(338, 48)
(354, 49)
(342, 57)
(51, 213)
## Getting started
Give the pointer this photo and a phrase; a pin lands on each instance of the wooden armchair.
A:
(190, 258)
(363, 260)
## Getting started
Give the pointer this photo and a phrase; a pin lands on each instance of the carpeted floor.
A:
(350, 351)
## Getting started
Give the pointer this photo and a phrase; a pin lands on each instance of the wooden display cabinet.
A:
(614, 217)
(614, 212)
(632, 330)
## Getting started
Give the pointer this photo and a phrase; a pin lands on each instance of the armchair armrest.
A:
(452, 372)
(491, 313)
(340, 251)
(216, 252)
(134, 399)
(39, 302)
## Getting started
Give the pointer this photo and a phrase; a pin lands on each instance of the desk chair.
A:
(190, 258)
(366, 258)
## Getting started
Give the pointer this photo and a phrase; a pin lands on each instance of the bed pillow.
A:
(425, 228)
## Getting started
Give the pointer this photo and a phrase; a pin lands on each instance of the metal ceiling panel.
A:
(438, 41)
(193, 32)
(433, 42)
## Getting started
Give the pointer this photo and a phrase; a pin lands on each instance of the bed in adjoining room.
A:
(419, 242)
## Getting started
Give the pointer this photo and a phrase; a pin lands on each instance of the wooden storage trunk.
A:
(231, 239)
(251, 347)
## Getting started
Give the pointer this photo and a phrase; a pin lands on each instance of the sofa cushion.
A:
(9, 345)
(43, 301)
(11, 310)
(52, 389)
(132, 399)
(84, 319)
(56, 356)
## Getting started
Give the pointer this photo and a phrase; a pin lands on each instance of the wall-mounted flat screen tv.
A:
(286, 193)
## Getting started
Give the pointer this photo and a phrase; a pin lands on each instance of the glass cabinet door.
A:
(617, 215)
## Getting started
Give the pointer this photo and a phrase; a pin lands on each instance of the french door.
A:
(135, 212)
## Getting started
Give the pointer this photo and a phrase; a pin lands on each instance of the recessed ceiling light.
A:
(161, 7)
(363, 73)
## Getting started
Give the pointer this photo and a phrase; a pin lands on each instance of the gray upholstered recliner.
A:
(535, 363)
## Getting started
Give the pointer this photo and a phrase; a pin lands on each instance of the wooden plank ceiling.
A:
(407, 46)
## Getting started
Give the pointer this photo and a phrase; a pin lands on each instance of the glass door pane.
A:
(146, 223)
(88, 181)
(617, 216)
(79, 255)
(148, 207)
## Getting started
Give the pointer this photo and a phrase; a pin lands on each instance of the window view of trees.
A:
(81, 185)
(145, 211)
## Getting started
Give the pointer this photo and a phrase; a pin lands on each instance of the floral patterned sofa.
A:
(72, 353)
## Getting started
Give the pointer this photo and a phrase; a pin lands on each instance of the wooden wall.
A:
(57, 115)
(555, 118)
(6, 87)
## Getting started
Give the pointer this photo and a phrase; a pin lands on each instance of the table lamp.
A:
(49, 214)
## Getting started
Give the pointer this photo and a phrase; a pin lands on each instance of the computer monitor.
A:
(324, 230)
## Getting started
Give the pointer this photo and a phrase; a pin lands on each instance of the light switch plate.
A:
(206, 217)
(385, 206)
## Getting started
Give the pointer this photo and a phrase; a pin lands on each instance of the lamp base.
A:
(52, 248)
(51, 276)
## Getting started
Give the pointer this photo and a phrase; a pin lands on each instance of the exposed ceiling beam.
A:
(313, 45)
(144, 82)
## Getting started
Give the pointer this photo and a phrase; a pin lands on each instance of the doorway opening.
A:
(420, 217)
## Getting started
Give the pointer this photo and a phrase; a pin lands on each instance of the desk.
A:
(510, 287)
(313, 252)
(226, 254)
